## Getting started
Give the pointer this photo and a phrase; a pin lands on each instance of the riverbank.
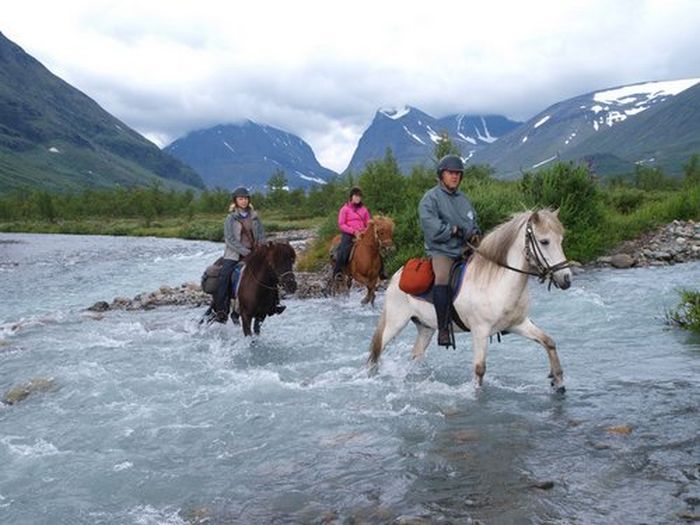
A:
(674, 243)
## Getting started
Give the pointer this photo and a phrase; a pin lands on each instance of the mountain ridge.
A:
(248, 154)
(55, 137)
(603, 119)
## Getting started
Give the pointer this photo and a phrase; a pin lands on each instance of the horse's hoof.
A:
(561, 389)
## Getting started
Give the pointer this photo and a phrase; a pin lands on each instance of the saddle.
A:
(419, 276)
(210, 277)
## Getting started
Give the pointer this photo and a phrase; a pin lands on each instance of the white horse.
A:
(493, 296)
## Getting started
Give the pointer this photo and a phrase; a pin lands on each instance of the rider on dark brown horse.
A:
(353, 218)
(448, 220)
(243, 231)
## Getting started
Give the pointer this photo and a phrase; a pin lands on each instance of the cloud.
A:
(322, 70)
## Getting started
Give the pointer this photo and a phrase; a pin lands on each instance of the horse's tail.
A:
(375, 347)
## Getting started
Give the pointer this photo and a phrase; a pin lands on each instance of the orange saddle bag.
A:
(417, 276)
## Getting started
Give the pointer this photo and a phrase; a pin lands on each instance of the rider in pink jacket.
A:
(353, 218)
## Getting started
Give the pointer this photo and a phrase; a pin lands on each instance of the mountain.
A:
(666, 135)
(248, 154)
(412, 134)
(612, 129)
(54, 137)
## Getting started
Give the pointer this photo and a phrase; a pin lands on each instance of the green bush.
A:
(625, 200)
(574, 192)
(687, 314)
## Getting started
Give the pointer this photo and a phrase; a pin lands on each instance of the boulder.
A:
(19, 393)
(622, 260)
(99, 306)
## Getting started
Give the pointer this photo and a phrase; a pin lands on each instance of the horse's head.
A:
(384, 232)
(281, 256)
(544, 236)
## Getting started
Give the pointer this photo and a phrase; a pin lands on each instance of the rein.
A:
(277, 276)
(533, 252)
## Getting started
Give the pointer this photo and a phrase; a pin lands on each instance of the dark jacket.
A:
(439, 211)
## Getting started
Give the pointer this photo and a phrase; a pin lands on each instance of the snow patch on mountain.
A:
(632, 100)
(413, 135)
(435, 137)
(545, 161)
(394, 113)
(624, 94)
(541, 121)
(487, 136)
(312, 179)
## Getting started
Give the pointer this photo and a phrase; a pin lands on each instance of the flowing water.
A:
(153, 418)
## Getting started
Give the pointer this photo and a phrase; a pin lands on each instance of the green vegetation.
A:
(598, 214)
(687, 314)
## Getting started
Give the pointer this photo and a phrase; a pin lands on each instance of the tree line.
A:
(597, 213)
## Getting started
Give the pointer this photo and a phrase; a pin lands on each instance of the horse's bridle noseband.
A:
(279, 277)
(534, 255)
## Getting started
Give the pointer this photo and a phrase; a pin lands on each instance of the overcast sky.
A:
(322, 69)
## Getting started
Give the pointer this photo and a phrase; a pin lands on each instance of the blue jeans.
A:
(222, 298)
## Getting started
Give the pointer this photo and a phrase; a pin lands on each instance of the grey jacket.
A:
(439, 211)
(232, 234)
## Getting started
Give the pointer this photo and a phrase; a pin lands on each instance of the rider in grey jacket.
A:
(243, 231)
(448, 220)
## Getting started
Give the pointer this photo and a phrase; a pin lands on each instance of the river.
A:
(153, 418)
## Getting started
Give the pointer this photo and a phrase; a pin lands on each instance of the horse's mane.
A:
(257, 257)
(496, 244)
(281, 249)
(378, 221)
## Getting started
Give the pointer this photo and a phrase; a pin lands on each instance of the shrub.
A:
(687, 314)
(573, 191)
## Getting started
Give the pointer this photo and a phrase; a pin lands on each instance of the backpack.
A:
(210, 277)
(417, 276)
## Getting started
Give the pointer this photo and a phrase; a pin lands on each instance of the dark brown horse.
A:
(267, 268)
(366, 256)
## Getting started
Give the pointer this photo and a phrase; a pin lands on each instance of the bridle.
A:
(534, 254)
(383, 245)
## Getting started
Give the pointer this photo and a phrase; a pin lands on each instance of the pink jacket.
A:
(353, 219)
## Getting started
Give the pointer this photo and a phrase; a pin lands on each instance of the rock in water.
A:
(19, 393)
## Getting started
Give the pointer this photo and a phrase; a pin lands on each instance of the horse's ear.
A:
(556, 212)
(535, 217)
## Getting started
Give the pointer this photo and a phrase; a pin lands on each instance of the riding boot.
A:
(441, 301)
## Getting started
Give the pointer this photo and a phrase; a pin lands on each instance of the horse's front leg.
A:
(369, 296)
(528, 329)
(257, 323)
(480, 345)
(245, 323)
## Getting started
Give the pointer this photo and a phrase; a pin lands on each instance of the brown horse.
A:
(365, 259)
(267, 268)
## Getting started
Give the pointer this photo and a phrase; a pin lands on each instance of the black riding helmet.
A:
(451, 163)
(240, 192)
(356, 190)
